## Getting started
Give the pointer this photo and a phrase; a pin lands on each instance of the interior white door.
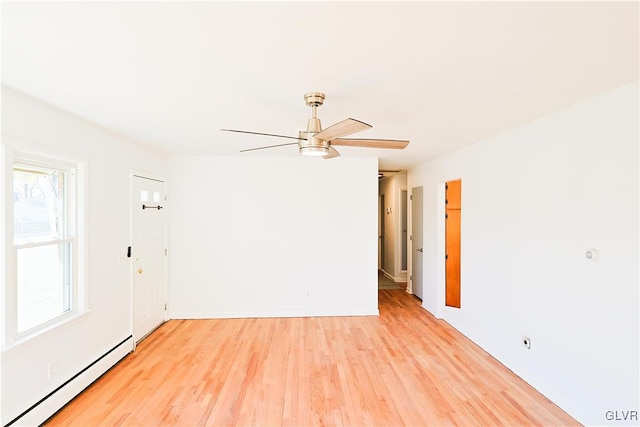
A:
(148, 252)
(416, 241)
(380, 232)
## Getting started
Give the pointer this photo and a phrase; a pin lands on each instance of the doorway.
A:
(148, 253)
(381, 232)
(416, 241)
(403, 219)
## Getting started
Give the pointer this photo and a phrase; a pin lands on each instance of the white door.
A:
(416, 241)
(148, 252)
(380, 232)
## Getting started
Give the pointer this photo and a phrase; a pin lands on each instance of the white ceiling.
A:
(441, 74)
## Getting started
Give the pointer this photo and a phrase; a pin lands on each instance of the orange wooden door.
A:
(452, 233)
(453, 198)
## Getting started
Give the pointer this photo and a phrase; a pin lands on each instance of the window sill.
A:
(62, 322)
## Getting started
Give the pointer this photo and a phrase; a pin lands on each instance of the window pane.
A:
(38, 205)
(44, 282)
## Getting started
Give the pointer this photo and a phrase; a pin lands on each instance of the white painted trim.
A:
(441, 250)
(403, 276)
(56, 324)
(269, 314)
(50, 404)
(9, 318)
(394, 279)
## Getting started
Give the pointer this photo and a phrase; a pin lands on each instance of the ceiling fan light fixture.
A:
(314, 151)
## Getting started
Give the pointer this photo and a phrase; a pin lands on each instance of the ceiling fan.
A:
(318, 142)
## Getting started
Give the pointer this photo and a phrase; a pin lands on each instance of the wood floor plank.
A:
(403, 367)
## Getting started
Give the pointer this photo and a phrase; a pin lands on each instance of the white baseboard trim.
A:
(51, 403)
(269, 314)
(394, 279)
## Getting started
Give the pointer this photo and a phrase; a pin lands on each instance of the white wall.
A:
(534, 199)
(272, 237)
(30, 124)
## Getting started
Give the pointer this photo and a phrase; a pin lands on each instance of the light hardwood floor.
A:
(401, 368)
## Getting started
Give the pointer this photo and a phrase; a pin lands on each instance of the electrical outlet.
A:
(526, 341)
(51, 369)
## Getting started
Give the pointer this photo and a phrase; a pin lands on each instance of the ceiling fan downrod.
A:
(308, 144)
(314, 100)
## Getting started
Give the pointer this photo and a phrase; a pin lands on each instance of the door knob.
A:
(419, 249)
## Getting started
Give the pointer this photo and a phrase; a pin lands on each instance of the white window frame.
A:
(74, 223)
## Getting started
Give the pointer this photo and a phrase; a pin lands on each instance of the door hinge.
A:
(165, 197)
(446, 256)
(165, 251)
(446, 216)
(411, 197)
(129, 252)
(165, 306)
(446, 186)
(411, 277)
(410, 237)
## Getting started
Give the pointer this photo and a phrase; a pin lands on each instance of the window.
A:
(45, 243)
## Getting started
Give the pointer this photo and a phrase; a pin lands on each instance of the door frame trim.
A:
(441, 250)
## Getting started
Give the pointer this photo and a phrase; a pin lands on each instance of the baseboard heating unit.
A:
(42, 410)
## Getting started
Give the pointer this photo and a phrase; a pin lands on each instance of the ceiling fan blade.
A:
(343, 128)
(260, 133)
(268, 146)
(332, 153)
(371, 143)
